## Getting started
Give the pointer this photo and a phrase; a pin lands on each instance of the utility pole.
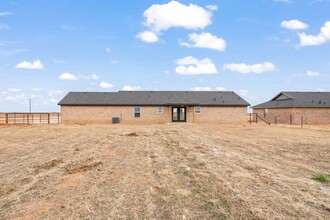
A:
(30, 105)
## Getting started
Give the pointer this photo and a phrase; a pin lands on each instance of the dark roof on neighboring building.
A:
(298, 100)
(153, 98)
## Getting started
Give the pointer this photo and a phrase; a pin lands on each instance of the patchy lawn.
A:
(177, 171)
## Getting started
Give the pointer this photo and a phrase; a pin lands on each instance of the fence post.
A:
(58, 118)
(275, 120)
(250, 118)
(256, 118)
(6, 118)
(48, 118)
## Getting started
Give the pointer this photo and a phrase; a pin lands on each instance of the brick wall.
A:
(310, 115)
(104, 114)
(149, 114)
(220, 115)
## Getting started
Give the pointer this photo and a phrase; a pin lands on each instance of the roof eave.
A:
(173, 104)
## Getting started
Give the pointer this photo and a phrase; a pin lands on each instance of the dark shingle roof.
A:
(298, 99)
(154, 98)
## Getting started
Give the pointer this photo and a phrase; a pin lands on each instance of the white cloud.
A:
(242, 92)
(4, 26)
(16, 98)
(12, 52)
(35, 65)
(70, 76)
(294, 25)
(90, 77)
(94, 77)
(55, 92)
(221, 88)
(13, 90)
(67, 27)
(312, 73)
(108, 50)
(321, 38)
(320, 90)
(6, 13)
(67, 76)
(131, 88)
(254, 68)
(284, 1)
(106, 85)
(212, 7)
(201, 89)
(174, 14)
(192, 66)
(205, 40)
(148, 37)
(52, 100)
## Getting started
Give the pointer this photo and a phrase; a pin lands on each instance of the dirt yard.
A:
(176, 171)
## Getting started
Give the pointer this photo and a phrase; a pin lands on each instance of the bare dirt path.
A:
(177, 171)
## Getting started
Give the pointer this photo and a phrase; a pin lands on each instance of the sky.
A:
(256, 48)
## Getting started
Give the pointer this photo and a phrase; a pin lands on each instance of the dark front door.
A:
(178, 114)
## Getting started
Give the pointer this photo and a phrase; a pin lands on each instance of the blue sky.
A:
(256, 48)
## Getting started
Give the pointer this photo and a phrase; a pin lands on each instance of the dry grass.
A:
(177, 171)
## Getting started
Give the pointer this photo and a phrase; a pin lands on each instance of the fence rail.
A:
(288, 119)
(30, 118)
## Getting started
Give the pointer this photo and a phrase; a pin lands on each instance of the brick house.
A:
(153, 107)
(295, 107)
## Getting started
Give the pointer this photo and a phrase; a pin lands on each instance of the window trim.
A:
(197, 112)
(137, 112)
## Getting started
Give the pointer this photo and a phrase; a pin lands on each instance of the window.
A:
(198, 110)
(160, 110)
(265, 112)
(137, 112)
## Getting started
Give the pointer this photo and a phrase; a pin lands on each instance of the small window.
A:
(137, 112)
(198, 110)
(265, 112)
(160, 110)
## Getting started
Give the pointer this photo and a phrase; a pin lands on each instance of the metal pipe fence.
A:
(288, 119)
(30, 118)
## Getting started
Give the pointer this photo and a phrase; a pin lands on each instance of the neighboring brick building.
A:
(294, 107)
(153, 107)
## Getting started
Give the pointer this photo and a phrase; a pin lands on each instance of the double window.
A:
(197, 110)
(137, 112)
(160, 110)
